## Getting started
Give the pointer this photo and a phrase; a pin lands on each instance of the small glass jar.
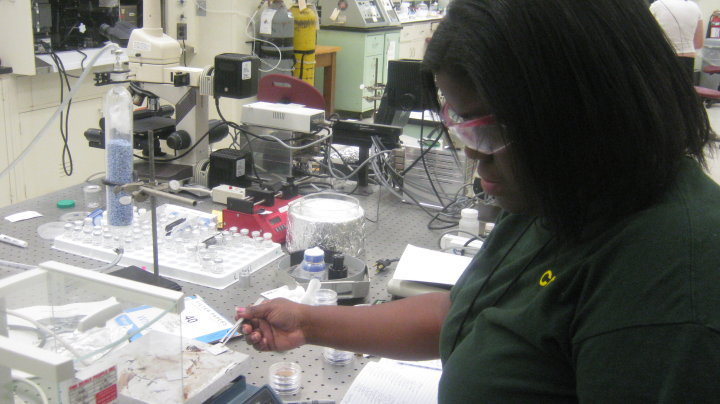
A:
(285, 378)
(218, 266)
(328, 297)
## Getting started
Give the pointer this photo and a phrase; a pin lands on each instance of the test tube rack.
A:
(178, 253)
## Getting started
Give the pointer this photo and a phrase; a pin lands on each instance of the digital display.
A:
(274, 220)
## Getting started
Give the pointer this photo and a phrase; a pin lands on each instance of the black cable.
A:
(137, 88)
(405, 171)
(377, 209)
(184, 53)
(424, 209)
(66, 156)
(422, 155)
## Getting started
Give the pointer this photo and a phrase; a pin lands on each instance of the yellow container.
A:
(304, 42)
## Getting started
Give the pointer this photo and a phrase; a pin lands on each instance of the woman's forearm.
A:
(402, 329)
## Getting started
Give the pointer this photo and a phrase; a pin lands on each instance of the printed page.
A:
(393, 382)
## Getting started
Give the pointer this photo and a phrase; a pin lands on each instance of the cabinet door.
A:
(405, 50)
(391, 51)
(16, 43)
(372, 71)
(374, 44)
(42, 170)
(5, 190)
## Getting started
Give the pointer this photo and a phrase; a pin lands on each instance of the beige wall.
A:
(27, 101)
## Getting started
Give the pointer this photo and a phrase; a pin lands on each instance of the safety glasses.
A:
(482, 134)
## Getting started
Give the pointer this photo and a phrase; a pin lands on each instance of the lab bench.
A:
(390, 225)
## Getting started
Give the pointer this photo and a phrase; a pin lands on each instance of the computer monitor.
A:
(403, 93)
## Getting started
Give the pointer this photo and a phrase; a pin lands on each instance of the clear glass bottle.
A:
(118, 112)
(328, 297)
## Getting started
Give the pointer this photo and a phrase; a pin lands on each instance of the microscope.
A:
(155, 74)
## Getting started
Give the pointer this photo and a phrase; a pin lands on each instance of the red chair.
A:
(284, 89)
(709, 95)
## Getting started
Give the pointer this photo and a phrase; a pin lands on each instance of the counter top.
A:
(399, 224)
(418, 20)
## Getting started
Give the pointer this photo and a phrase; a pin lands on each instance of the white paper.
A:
(423, 265)
(266, 21)
(391, 382)
(433, 364)
(391, 50)
(334, 14)
(28, 214)
(283, 291)
(199, 321)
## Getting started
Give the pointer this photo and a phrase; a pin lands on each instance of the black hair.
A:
(596, 105)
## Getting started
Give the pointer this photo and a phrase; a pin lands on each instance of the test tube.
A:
(212, 250)
(128, 244)
(206, 262)
(107, 240)
(97, 236)
(237, 240)
(218, 266)
(244, 277)
(77, 233)
(68, 230)
(267, 240)
(87, 235)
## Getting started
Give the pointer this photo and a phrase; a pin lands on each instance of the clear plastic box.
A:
(62, 336)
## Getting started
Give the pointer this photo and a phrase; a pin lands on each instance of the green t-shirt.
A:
(632, 315)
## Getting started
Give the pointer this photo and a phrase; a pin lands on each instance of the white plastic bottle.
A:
(469, 222)
(313, 266)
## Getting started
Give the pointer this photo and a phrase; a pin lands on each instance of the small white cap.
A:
(469, 213)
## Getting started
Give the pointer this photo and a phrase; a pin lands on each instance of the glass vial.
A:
(118, 112)
(328, 297)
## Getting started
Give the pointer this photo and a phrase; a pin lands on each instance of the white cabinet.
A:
(27, 104)
(5, 190)
(413, 38)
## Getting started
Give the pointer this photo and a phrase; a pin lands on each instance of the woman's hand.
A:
(274, 325)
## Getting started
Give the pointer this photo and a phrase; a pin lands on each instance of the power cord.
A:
(382, 265)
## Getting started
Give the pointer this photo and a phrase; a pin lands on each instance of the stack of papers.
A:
(423, 265)
(421, 270)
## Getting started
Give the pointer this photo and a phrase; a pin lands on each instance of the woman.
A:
(600, 281)
(682, 22)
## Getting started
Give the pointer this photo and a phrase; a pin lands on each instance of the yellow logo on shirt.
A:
(546, 278)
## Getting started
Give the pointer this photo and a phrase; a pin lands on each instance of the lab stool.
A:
(709, 95)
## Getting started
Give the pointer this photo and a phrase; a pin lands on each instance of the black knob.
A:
(179, 140)
(337, 270)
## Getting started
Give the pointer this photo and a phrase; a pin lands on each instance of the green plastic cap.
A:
(66, 204)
